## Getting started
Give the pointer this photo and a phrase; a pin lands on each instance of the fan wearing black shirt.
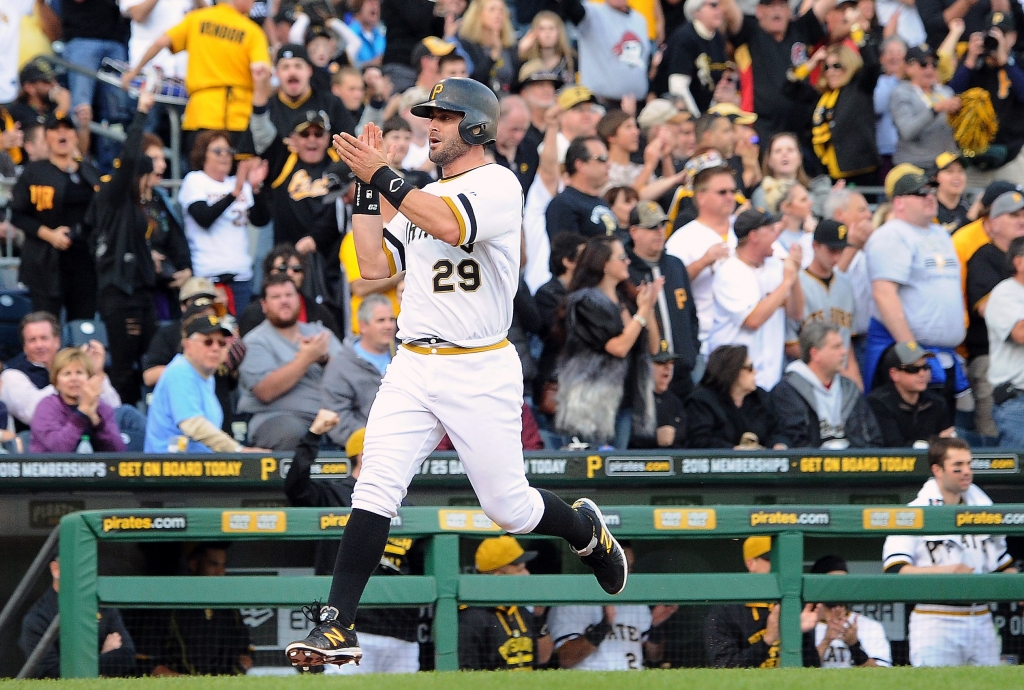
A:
(986, 269)
(671, 415)
(296, 98)
(950, 181)
(694, 57)
(768, 43)
(579, 208)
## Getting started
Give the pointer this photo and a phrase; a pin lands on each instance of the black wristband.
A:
(595, 634)
(857, 654)
(366, 201)
(391, 186)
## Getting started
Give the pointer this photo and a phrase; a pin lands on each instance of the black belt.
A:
(1005, 391)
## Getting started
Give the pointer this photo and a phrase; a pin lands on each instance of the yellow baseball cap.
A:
(572, 96)
(905, 179)
(734, 113)
(354, 444)
(756, 547)
(497, 552)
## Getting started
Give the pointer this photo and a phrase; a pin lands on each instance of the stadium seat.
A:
(81, 331)
(14, 305)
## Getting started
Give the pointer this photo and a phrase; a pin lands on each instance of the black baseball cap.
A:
(920, 53)
(995, 190)
(38, 70)
(204, 325)
(832, 234)
(58, 118)
(1001, 20)
(317, 31)
(314, 118)
(664, 355)
(906, 180)
(292, 50)
(828, 564)
(751, 220)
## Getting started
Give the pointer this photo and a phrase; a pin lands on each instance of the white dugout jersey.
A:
(871, 636)
(621, 650)
(462, 295)
(985, 553)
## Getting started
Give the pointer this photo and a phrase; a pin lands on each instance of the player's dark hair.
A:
(30, 129)
(197, 157)
(1015, 249)
(939, 447)
(828, 564)
(705, 123)
(578, 152)
(724, 366)
(206, 547)
(395, 123)
(276, 279)
(564, 245)
(38, 317)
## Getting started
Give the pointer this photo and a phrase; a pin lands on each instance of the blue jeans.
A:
(242, 290)
(623, 429)
(1009, 418)
(112, 105)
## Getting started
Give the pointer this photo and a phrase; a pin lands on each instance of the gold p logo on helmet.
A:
(438, 88)
(842, 232)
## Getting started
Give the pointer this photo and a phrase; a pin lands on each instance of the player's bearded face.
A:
(446, 144)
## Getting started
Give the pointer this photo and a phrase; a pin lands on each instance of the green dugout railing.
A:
(83, 590)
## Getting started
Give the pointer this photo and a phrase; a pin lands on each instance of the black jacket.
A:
(682, 314)
(850, 121)
(118, 662)
(402, 555)
(498, 638)
(794, 404)
(733, 637)
(123, 259)
(286, 113)
(902, 423)
(715, 422)
(526, 321)
(37, 200)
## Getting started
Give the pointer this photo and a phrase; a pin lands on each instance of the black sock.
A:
(362, 545)
(560, 520)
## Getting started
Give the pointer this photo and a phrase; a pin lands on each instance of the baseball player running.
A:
(950, 634)
(458, 241)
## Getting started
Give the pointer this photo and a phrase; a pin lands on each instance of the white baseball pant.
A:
(381, 654)
(477, 398)
(941, 639)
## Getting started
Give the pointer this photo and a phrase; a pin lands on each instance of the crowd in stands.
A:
(721, 249)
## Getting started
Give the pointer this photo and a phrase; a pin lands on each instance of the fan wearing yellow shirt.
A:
(227, 54)
(360, 287)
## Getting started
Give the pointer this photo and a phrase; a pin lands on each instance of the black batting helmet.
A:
(476, 102)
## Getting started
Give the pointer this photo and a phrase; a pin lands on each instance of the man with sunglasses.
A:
(579, 207)
(305, 177)
(915, 282)
(185, 415)
(907, 412)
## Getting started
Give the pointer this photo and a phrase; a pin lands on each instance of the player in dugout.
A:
(747, 635)
(957, 633)
(513, 638)
(388, 636)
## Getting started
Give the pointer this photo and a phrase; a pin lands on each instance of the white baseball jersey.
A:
(871, 636)
(621, 650)
(984, 553)
(737, 289)
(461, 294)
